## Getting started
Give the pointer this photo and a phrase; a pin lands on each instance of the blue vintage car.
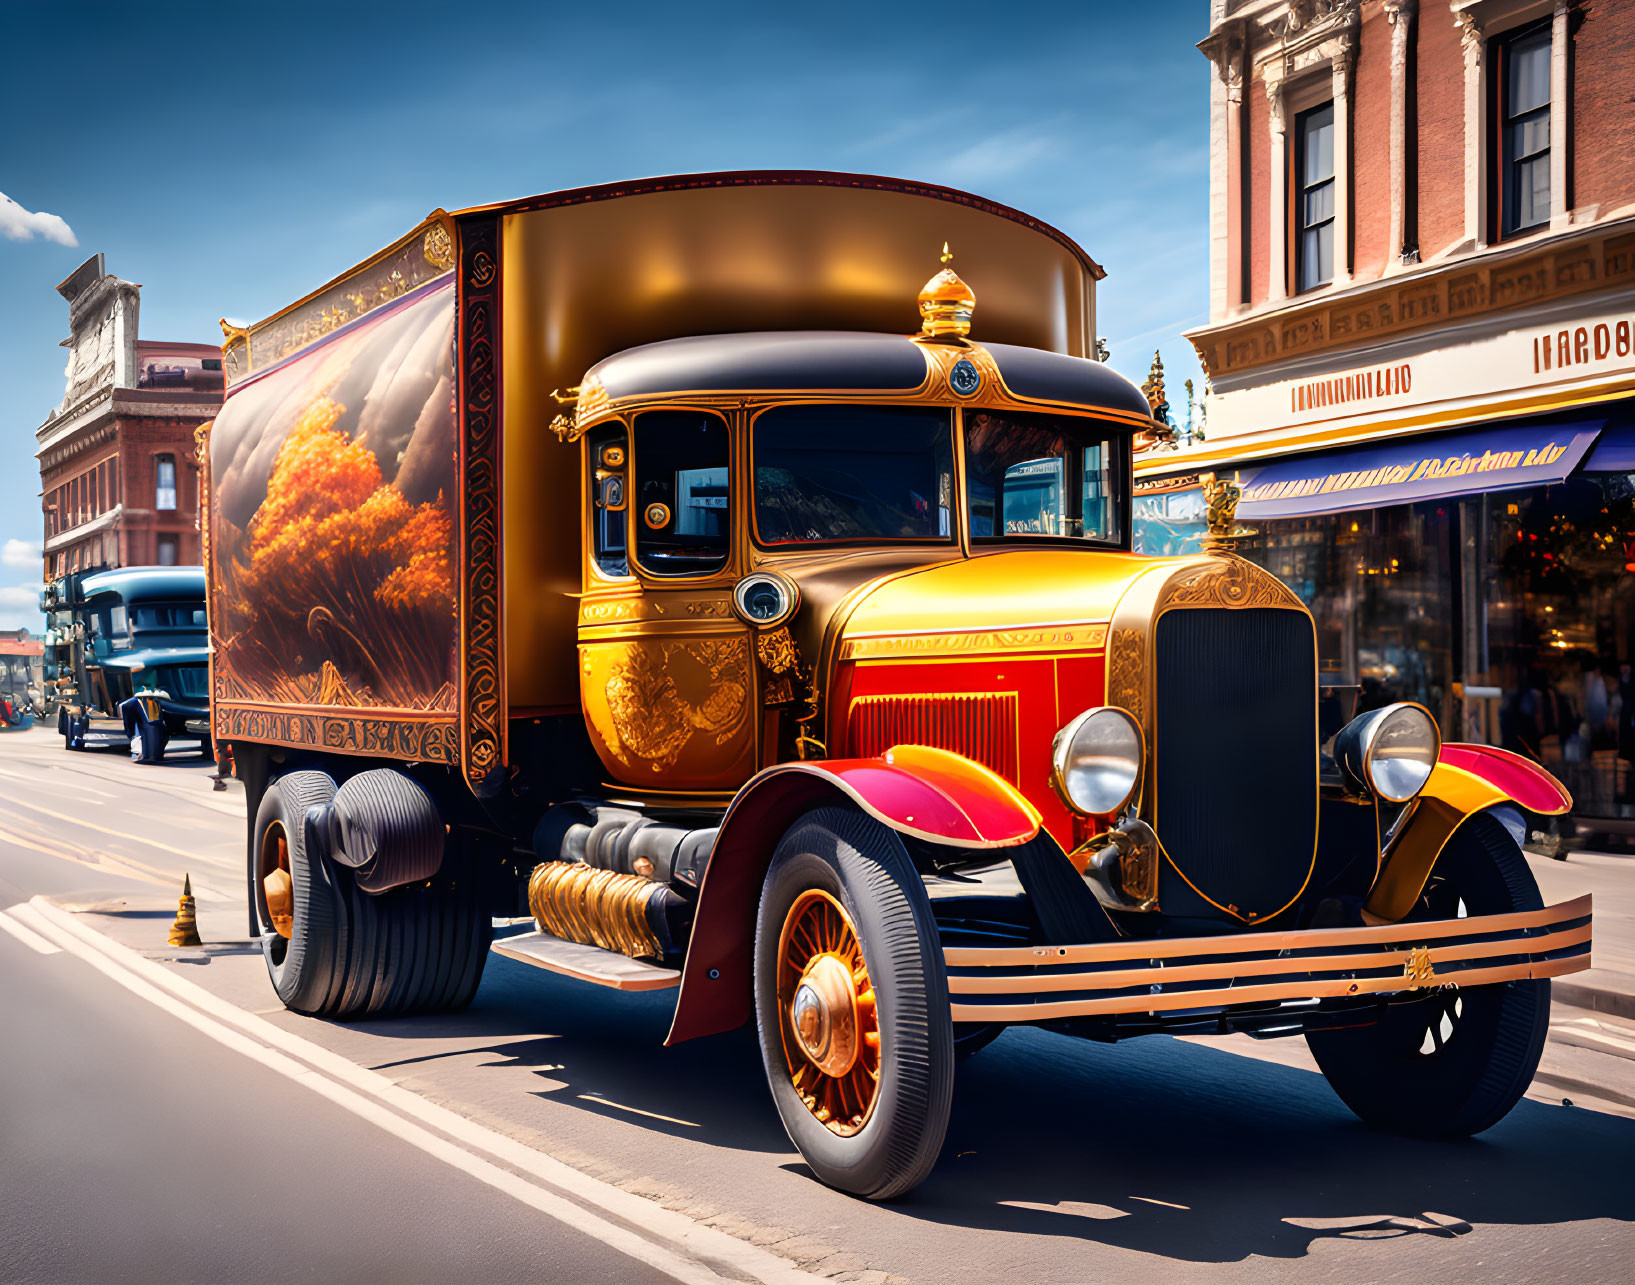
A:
(131, 653)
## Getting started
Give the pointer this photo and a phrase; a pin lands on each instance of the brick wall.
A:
(1603, 123)
(1371, 149)
(1258, 176)
(141, 442)
(1441, 89)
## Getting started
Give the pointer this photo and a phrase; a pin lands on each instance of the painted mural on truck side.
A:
(332, 537)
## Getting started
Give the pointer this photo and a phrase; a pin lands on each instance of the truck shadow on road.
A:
(1173, 1149)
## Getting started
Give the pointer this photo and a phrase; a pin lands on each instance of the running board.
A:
(587, 963)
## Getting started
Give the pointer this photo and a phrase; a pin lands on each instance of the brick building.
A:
(119, 479)
(1421, 355)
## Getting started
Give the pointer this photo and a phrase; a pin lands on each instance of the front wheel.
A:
(851, 1002)
(1456, 1061)
(147, 743)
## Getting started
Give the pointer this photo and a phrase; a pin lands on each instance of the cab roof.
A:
(148, 584)
(786, 361)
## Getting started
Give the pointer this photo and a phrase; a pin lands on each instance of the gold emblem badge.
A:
(1418, 968)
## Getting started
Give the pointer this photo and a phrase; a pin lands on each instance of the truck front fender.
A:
(1467, 779)
(915, 790)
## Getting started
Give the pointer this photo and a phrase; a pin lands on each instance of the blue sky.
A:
(230, 158)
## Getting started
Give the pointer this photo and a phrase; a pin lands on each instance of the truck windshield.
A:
(1043, 475)
(842, 473)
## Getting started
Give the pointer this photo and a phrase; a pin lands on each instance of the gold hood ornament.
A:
(946, 303)
(1221, 499)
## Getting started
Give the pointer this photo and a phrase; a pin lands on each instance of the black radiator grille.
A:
(1235, 757)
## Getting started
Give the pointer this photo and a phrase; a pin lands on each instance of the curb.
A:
(1615, 1002)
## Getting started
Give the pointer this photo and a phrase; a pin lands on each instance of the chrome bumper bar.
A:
(1187, 974)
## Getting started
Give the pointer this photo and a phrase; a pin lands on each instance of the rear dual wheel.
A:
(851, 1003)
(334, 950)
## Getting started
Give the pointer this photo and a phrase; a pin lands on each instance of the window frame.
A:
(595, 439)
(1123, 484)
(632, 420)
(1501, 125)
(161, 459)
(954, 540)
(1299, 190)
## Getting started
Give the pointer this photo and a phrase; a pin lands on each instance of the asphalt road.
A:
(169, 1155)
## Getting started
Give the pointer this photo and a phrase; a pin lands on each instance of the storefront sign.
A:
(1530, 358)
(1406, 470)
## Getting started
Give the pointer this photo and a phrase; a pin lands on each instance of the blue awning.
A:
(1404, 470)
(1614, 451)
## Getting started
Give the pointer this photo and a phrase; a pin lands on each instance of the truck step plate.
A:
(587, 963)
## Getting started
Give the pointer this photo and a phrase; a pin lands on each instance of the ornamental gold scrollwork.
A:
(1418, 968)
(1126, 671)
(776, 650)
(1230, 582)
(438, 247)
(654, 718)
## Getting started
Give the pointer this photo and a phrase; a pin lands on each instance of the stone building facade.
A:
(118, 472)
(1421, 356)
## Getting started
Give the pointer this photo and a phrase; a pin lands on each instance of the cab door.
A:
(666, 673)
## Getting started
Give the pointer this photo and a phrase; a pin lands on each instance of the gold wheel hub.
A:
(275, 879)
(830, 1029)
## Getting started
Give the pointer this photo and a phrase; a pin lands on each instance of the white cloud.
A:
(19, 553)
(1000, 155)
(19, 224)
(20, 608)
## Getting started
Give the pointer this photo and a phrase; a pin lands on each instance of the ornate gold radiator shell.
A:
(595, 907)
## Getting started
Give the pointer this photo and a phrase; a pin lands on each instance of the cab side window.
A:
(682, 514)
(609, 498)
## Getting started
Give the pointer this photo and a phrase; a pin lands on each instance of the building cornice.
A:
(102, 522)
(84, 414)
(1507, 279)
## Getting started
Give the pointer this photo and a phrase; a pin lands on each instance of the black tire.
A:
(864, 867)
(147, 743)
(352, 954)
(1454, 1063)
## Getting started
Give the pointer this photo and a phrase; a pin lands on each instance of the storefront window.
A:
(1378, 584)
(1558, 640)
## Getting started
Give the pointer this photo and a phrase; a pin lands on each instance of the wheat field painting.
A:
(332, 540)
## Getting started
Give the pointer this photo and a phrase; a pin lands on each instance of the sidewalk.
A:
(1608, 987)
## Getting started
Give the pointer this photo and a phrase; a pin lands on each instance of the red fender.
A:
(1467, 779)
(929, 793)
(1522, 779)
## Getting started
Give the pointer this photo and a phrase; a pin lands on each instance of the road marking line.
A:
(651, 1115)
(124, 834)
(111, 863)
(28, 936)
(706, 1245)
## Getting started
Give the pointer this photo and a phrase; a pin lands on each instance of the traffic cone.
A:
(185, 931)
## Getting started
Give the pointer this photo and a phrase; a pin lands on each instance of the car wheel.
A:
(1455, 1061)
(851, 1003)
(147, 743)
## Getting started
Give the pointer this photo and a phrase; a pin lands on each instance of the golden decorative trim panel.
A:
(1448, 294)
(1088, 637)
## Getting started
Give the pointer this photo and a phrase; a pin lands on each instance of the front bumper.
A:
(1212, 974)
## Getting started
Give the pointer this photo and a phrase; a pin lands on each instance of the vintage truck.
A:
(638, 558)
(128, 651)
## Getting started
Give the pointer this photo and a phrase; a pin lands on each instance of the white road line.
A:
(703, 1247)
(28, 936)
(224, 862)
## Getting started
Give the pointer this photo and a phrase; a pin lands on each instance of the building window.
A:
(113, 482)
(1523, 79)
(164, 481)
(165, 554)
(1314, 197)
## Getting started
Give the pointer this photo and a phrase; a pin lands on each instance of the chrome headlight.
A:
(1095, 761)
(1389, 751)
(765, 599)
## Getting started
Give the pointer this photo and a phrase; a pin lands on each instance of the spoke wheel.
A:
(831, 1026)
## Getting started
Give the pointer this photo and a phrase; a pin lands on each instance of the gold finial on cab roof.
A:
(946, 302)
